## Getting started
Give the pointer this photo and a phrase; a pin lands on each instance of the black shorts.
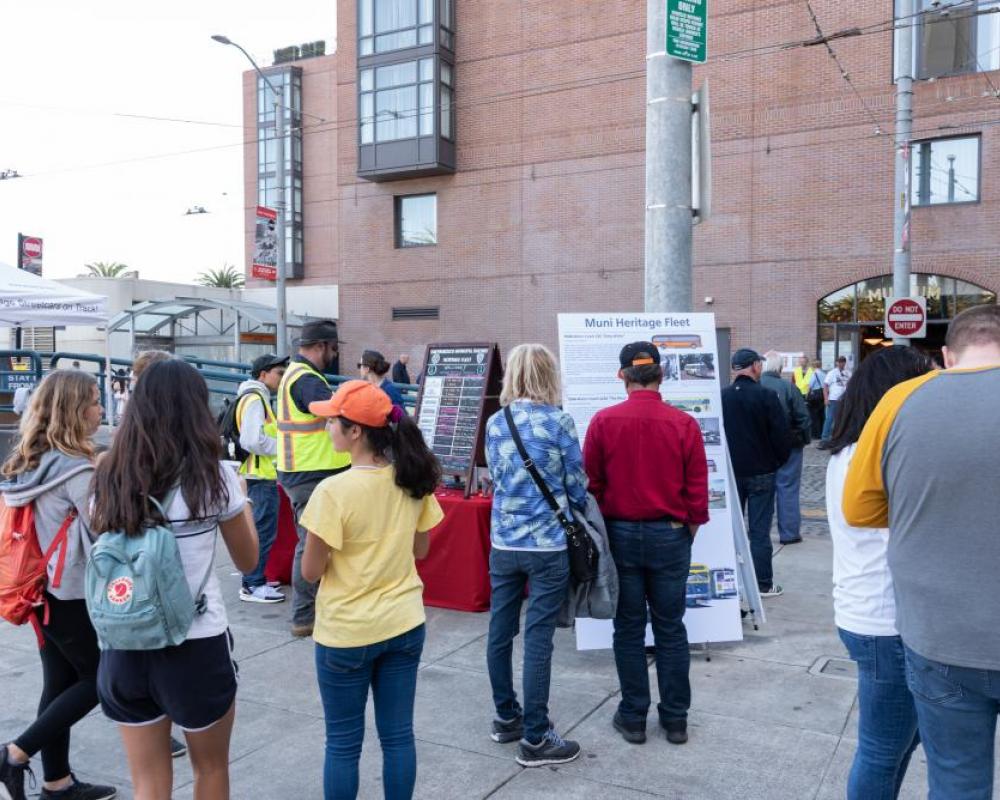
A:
(192, 684)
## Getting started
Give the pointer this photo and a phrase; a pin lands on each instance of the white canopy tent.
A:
(27, 301)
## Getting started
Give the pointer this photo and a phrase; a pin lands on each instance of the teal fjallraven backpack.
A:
(136, 590)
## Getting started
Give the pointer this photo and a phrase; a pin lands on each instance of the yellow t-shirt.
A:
(370, 591)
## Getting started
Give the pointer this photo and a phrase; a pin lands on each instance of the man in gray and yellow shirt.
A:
(926, 467)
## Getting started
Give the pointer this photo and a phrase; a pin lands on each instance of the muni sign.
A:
(687, 30)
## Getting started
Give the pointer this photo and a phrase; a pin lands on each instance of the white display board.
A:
(589, 345)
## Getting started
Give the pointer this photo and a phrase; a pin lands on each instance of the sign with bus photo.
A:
(588, 346)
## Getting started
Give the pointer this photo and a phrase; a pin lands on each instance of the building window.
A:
(288, 82)
(953, 37)
(386, 25)
(416, 220)
(397, 101)
(945, 171)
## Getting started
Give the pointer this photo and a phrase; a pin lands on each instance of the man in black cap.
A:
(759, 443)
(646, 465)
(305, 452)
(258, 432)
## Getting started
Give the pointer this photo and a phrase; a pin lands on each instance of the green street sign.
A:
(687, 29)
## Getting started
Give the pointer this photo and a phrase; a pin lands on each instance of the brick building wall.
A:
(545, 213)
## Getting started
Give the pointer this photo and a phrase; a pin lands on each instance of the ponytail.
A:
(418, 472)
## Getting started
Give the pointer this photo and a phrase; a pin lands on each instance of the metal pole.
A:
(281, 333)
(668, 170)
(904, 128)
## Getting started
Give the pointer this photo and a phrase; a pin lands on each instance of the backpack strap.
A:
(62, 543)
(200, 601)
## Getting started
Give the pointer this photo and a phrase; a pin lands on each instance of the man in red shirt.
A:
(647, 468)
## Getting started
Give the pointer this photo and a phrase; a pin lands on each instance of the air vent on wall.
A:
(416, 312)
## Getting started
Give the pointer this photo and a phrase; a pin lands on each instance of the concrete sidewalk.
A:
(772, 716)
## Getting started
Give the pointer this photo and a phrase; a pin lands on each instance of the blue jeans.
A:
(653, 562)
(344, 674)
(757, 500)
(787, 481)
(264, 495)
(887, 725)
(957, 712)
(830, 420)
(546, 573)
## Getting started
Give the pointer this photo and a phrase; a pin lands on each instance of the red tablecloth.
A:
(456, 572)
(279, 563)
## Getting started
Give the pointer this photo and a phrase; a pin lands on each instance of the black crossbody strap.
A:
(536, 476)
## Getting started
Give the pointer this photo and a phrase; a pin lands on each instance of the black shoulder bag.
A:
(579, 546)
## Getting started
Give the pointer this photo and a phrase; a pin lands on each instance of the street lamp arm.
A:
(224, 40)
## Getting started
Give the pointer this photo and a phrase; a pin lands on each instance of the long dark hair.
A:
(417, 469)
(877, 375)
(167, 438)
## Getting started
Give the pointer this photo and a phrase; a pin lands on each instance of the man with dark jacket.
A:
(758, 437)
(788, 478)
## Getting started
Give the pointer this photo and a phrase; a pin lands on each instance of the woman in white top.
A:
(168, 449)
(863, 600)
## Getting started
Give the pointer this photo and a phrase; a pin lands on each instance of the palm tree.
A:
(106, 269)
(226, 278)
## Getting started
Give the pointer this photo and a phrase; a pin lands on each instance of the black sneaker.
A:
(177, 748)
(79, 790)
(677, 730)
(12, 777)
(509, 730)
(553, 749)
(630, 735)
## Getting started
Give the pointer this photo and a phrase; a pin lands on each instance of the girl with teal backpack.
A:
(161, 499)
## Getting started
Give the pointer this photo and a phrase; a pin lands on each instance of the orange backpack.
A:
(23, 565)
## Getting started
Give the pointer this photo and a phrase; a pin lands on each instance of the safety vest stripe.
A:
(302, 427)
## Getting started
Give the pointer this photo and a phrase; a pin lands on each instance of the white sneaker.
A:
(275, 584)
(261, 594)
(774, 591)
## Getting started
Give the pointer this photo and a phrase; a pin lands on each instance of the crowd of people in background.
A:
(361, 482)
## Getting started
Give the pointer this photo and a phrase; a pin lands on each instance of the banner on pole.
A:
(29, 253)
(589, 345)
(265, 245)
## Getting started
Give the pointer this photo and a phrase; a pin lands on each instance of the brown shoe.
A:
(303, 630)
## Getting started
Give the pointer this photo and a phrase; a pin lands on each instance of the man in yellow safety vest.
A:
(305, 452)
(258, 431)
(803, 375)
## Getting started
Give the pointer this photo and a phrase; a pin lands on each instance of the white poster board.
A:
(589, 345)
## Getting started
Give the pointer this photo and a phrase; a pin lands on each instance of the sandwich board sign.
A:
(721, 572)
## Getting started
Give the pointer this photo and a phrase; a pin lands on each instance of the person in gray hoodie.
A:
(788, 478)
(51, 467)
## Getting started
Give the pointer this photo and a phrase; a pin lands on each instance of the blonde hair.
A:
(531, 374)
(146, 359)
(54, 420)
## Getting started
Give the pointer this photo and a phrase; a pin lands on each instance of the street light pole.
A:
(281, 334)
(904, 128)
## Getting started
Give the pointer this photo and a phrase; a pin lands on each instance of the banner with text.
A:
(265, 245)
(589, 345)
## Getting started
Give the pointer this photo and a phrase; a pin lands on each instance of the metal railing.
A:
(223, 377)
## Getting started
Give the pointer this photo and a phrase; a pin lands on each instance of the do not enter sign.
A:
(906, 316)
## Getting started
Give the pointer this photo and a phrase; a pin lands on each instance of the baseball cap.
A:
(745, 357)
(266, 362)
(324, 330)
(358, 401)
(639, 354)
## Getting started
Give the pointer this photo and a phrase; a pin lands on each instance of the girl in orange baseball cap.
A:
(365, 527)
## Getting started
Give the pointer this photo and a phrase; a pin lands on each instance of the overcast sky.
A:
(101, 187)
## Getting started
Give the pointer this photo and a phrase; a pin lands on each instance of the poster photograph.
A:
(589, 345)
